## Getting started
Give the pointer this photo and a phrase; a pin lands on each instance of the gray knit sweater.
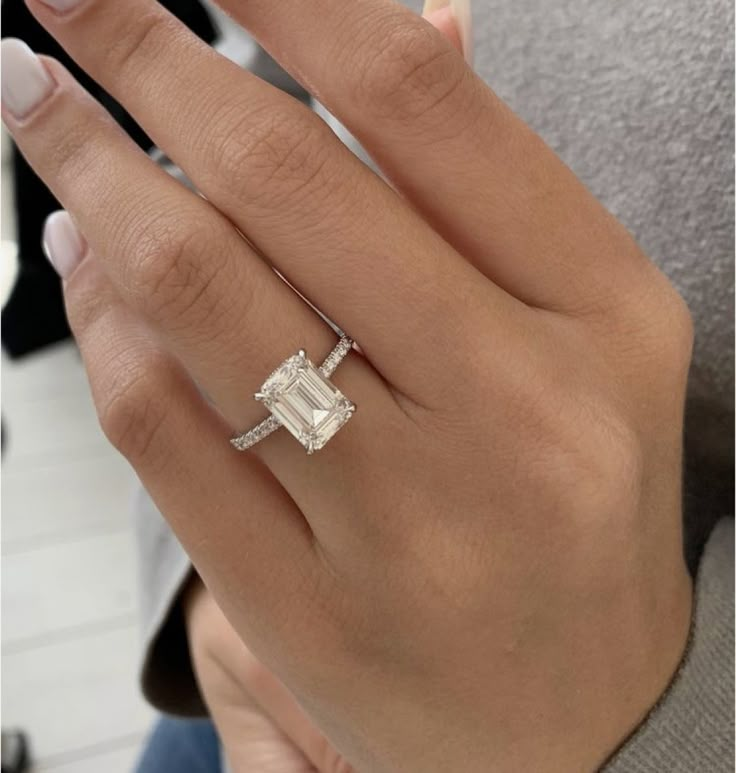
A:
(637, 98)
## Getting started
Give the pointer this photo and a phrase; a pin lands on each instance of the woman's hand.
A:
(261, 726)
(483, 569)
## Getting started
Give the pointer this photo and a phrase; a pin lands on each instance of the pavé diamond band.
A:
(302, 398)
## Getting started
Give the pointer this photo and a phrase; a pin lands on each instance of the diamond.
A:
(301, 398)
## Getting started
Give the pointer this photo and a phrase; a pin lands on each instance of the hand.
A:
(259, 723)
(483, 569)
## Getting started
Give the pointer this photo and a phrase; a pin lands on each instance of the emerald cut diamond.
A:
(305, 401)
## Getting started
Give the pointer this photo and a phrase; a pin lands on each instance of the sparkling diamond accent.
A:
(302, 399)
(336, 356)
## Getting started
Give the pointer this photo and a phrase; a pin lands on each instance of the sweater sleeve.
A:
(167, 675)
(691, 727)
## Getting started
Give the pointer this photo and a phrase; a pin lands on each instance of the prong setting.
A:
(302, 398)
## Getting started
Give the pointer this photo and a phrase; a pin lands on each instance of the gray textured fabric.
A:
(637, 99)
(691, 729)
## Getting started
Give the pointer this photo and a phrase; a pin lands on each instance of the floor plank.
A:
(64, 499)
(42, 431)
(48, 411)
(118, 760)
(79, 694)
(69, 613)
(53, 372)
(67, 585)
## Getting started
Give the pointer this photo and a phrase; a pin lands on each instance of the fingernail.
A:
(61, 5)
(430, 6)
(25, 82)
(463, 17)
(63, 244)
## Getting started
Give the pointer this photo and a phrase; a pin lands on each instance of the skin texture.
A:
(483, 570)
(259, 722)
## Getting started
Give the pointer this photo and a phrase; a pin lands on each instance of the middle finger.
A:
(340, 234)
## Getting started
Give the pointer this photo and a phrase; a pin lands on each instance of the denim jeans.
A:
(181, 746)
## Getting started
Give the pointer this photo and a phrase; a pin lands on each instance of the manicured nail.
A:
(63, 244)
(25, 82)
(61, 5)
(430, 6)
(462, 14)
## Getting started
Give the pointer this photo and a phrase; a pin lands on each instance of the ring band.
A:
(302, 398)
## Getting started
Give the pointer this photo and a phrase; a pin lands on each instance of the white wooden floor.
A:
(70, 638)
(69, 623)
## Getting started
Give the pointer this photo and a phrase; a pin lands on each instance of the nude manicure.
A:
(25, 82)
(461, 10)
(61, 5)
(63, 244)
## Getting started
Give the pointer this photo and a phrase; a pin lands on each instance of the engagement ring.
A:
(302, 398)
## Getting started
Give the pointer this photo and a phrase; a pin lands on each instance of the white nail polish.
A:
(25, 82)
(463, 18)
(61, 5)
(62, 243)
(433, 5)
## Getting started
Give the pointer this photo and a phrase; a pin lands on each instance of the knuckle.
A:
(409, 72)
(651, 331)
(70, 155)
(69, 144)
(139, 41)
(679, 323)
(665, 333)
(168, 271)
(589, 466)
(133, 408)
(610, 465)
(583, 453)
(271, 155)
(87, 297)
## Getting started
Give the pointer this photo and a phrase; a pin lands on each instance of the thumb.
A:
(277, 702)
(454, 20)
